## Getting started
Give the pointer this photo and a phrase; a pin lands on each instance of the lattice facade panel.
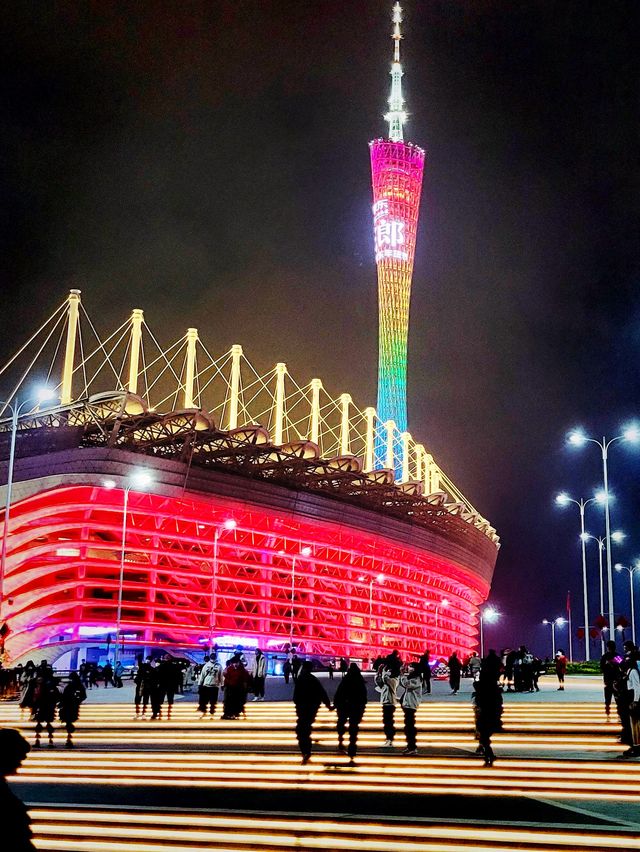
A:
(63, 573)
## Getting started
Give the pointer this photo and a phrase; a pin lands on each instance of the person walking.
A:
(295, 667)
(349, 702)
(610, 669)
(236, 687)
(425, 671)
(387, 679)
(107, 675)
(474, 666)
(259, 675)
(144, 681)
(455, 669)
(411, 682)
(308, 695)
(561, 669)
(632, 688)
(46, 696)
(487, 700)
(344, 667)
(209, 684)
(331, 668)
(286, 670)
(72, 697)
(118, 672)
(16, 824)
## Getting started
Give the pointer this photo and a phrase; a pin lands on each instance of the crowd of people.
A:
(403, 685)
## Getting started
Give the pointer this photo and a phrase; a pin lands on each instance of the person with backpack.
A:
(209, 683)
(411, 683)
(350, 701)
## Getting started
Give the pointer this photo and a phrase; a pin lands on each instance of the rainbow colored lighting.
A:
(396, 169)
(180, 562)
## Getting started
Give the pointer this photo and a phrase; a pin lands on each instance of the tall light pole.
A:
(139, 481)
(304, 551)
(617, 536)
(444, 603)
(490, 615)
(563, 499)
(556, 622)
(229, 524)
(578, 438)
(378, 579)
(631, 570)
(16, 409)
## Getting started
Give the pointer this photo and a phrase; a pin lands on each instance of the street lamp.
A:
(601, 498)
(490, 615)
(304, 551)
(42, 395)
(631, 569)
(617, 537)
(577, 438)
(138, 481)
(229, 524)
(444, 603)
(557, 622)
(379, 579)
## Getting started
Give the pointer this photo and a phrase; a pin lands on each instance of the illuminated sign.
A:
(389, 233)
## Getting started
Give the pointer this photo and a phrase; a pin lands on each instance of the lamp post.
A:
(578, 438)
(229, 524)
(16, 410)
(563, 499)
(305, 551)
(139, 480)
(556, 622)
(617, 536)
(444, 603)
(490, 615)
(378, 579)
(631, 569)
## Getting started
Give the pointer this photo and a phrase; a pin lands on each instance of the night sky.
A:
(208, 162)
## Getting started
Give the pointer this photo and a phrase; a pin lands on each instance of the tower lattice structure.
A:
(397, 168)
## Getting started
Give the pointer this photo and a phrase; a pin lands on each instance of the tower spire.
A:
(396, 115)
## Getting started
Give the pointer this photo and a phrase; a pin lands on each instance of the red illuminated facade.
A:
(360, 582)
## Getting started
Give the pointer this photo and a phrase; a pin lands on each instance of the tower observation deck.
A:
(396, 168)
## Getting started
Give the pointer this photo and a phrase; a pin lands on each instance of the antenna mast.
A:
(396, 115)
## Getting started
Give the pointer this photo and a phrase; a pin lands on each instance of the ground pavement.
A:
(185, 783)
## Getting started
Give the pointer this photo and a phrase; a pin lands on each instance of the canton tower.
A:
(396, 168)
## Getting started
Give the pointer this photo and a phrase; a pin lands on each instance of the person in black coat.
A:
(308, 695)
(425, 671)
(73, 695)
(455, 669)
(350, 701)
(16, 825)
(487, 699)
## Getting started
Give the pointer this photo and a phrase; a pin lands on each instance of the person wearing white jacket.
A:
(632, 678)
(209, 684)
(411, 682)
(259, 675)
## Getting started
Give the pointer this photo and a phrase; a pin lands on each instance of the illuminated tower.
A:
(396, 168)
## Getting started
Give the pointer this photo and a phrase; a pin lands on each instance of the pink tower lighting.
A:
(397, 168)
